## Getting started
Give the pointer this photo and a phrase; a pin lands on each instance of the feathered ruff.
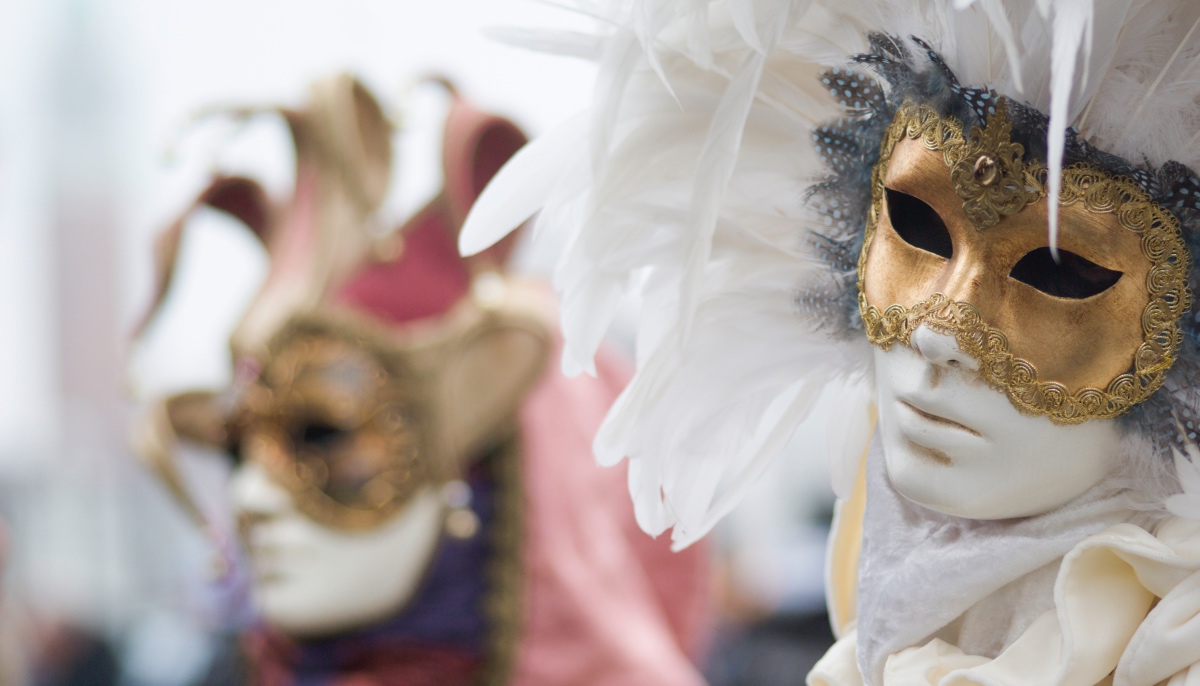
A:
(711, 404)
(690, 194)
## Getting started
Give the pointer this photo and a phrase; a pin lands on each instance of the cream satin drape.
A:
(1127, 613)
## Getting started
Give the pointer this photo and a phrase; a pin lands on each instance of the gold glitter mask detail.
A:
(338, 427)
(988, 172)
(1071, 356)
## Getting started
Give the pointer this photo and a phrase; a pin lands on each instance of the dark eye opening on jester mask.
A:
(336, 460)
(1072, 276)
(918, 224)
(317, 436)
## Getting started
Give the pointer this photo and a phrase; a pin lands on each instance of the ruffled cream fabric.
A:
(978, 584)
(1127, 613)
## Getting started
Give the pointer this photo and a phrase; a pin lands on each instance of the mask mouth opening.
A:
(1071, 276)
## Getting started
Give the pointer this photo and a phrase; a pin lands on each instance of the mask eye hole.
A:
(236, 455)
(918, 224)
(1073, 277)
(319, 436)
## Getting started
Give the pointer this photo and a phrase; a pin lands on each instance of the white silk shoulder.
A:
(1127, 613)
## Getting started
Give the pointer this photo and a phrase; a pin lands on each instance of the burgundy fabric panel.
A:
(377, 664)
(243, 199)
(426, 281)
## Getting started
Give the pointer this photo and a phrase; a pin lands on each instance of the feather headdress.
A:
(717, 179)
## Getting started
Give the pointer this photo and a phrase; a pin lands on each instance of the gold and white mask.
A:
(957, 240)
(353, 418)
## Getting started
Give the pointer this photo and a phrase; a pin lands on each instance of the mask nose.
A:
(941, 349)
(255, 493)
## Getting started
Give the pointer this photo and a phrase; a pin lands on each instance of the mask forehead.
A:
(330, 378)
(1069, 358)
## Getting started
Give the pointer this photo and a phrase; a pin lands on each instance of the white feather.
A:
(522, 186)
(699, 48)
(1152, 90)
(687, 191)
(994, 11)
(742, 14)
(622, 57)
(713, 170)
(719, 153)
(850, 432)
(1145, 106)
(1071, 20)
(586, 46)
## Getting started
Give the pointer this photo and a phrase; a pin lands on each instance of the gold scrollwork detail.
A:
(999, 367)
(989, 172)
(1161, 241)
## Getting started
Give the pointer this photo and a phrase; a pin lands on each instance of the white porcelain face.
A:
(311, 580)
(955, 445)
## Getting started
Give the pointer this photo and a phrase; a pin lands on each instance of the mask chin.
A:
(955, 445)
(311, 580)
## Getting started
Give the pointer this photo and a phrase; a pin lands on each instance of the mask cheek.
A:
(373, 470)
(1080, 344)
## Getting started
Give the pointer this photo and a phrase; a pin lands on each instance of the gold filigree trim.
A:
(987, 171)
(503, 602)
(1161, 240)
(999, 367)
(394, 404)
(990, 175)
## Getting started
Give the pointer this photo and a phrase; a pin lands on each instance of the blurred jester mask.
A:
(413, 481)
(367, 367)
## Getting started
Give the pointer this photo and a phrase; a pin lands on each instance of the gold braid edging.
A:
(505, 570)
(1162, 243)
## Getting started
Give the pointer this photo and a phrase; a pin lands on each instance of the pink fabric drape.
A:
(604, 603)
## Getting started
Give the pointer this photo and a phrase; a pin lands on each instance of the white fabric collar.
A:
(924, 574)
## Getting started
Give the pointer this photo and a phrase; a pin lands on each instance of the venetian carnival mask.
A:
(368, 366)
(956, 240)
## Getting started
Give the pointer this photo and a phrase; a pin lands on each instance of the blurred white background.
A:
(95, 157)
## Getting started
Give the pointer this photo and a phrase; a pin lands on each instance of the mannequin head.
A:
(1003, 365)
(344, 480)
(314, 580)
(955, 445)
(335, 495)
